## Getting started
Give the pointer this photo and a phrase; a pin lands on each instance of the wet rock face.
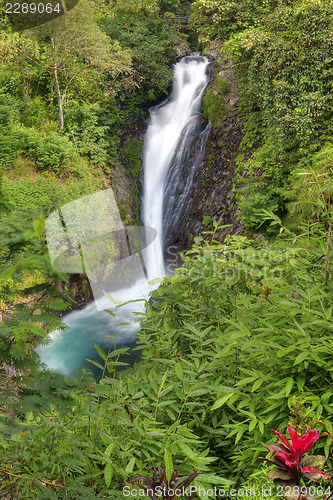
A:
(181, 174)
(78, 288)
(182, 48)
(212, 197)
(212, 194)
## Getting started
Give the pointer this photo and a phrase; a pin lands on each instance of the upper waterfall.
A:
(168, 123)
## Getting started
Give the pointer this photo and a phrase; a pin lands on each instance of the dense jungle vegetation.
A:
(239, 340)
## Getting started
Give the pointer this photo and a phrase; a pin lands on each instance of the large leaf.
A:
(108, 474)
(313, 461)
(168, 464)
(278, 473)
(221, 401)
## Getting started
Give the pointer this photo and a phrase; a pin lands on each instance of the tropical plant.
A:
(224, 322)
(169, 488)
(290, 464)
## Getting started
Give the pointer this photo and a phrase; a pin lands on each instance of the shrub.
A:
(45, 193)
(51, 152)
(10, 109)
(83, 120)
(263, 185)
(223, 86)
(241, 329)
(213, 107)
(254, 129)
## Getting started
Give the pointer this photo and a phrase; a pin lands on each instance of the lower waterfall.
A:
(176, 126)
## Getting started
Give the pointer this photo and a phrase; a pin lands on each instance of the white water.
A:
(67, 351)
(167, 123)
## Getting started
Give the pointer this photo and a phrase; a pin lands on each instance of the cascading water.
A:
(172, 124)
(168, 174)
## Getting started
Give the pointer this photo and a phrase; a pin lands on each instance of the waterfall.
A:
(175, 126)
(171, 125)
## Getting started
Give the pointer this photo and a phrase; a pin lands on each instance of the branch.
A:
(38, 61)
(54, 484)
(69, 83)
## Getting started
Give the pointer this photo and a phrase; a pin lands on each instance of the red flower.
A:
(287, 459)
(290, 466)
(298, 446)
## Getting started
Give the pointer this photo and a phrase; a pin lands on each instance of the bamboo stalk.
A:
(327, 258)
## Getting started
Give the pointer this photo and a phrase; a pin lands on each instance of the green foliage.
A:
(37, 115)
(231, 342)
(301, 416)
(215, 19)
(238, 343)
(27, 195)
(82, 126)
(73, 45)
(29, 265)
(254, 131)
(312, 183)
(251, 203)
(113, 430)
(51, 153)
(223, 86)
(45, 193)
(263, 185)
(136, 202)
(151, 41)
(133, 155)
(213, 107)
(170, 6)
(206, 220)
(10, 109)
(286, 97)
(259, 482)
(132, 151)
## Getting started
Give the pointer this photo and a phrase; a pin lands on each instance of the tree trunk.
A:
(56, 79)
(60, 99)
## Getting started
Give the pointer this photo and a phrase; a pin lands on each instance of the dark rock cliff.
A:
(212, 197)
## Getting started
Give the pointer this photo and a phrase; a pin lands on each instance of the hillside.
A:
(237, 341)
